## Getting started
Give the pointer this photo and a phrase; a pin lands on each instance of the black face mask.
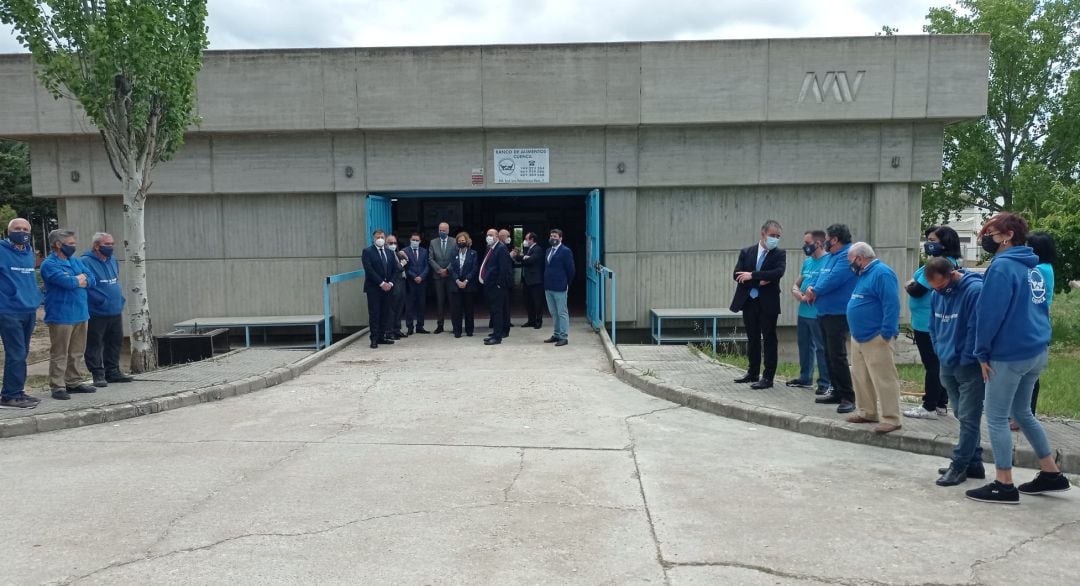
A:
(989, 245)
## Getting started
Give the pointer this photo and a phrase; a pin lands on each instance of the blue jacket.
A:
(558, 269)
(1047, 271)
(1013, 320)
(834, 284)
(874, 307)
(19, 292)
(65, 300)
(417, 268)
(920, 306)
(952, 321)
(106, 297)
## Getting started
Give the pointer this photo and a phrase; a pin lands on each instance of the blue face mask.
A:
(68, 251)
(809, 249)
(105, 251)
(828, 245)
(933, 248)
(771, 242)
(20, 238)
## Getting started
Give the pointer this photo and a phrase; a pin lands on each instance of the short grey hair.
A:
(862, 250)
(11, 224)
(771, 224)
(59, 236)
(98, 237)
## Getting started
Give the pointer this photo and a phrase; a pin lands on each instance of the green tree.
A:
(1061, 218)
(132, 65)
(1032, 126)
(15, 190)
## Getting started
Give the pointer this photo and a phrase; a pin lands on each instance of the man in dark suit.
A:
(496, 276)
(558, 274)
(757, 296)
(392, 327)
(377, 285)
(416, 275)
(464, 268)
(532, 261)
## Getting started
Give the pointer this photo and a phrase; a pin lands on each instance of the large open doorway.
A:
(575, 212)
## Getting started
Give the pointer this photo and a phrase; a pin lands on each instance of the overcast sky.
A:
(247, 24)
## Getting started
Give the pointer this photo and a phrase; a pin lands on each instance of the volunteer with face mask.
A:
(105, 331)
(19, 300)
(66, 313)
(830, 293)
(811, 344)
(757, 296)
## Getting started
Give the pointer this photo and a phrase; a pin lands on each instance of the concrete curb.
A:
(908, 441)
(107, 413)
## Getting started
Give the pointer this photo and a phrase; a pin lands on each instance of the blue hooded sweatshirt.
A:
(106, 297)
(952, 321)
(1013, 320)
(65, 300)
(874, 307)
(19, 292)
(834, 284)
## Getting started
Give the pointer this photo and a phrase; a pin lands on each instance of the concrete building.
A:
(691, 146)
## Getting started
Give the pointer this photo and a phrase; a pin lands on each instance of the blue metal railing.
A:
(609, 274)
(332, 280)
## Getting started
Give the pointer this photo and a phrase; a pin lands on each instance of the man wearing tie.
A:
(377, 285)
(558, 274)
(440, 251)
(398, 261)
(757, 296)
(532, 260)
(496, 275)
(416, 285)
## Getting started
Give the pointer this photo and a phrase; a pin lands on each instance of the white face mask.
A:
(380, 242)
(490, 240)
(508, 240)
(392, 247)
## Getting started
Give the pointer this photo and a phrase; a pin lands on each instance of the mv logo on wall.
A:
(835, 84)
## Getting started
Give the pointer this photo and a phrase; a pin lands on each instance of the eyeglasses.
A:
(992, 233)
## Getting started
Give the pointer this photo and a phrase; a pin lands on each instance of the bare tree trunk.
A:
(143, 354)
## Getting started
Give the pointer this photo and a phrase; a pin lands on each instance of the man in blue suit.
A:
(416, 285)
(558, 274)
(378, 279)
(496, 276)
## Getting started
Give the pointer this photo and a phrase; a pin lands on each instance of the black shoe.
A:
(551, 340)
(537, 326)
(409, 332)
(952, 476)
(747, 379)
(562, 342)
(492, 341)
(439, 329)
(975, 471)
(822, 390)
(387, 341)
(1045, 482)
(995, 493)
(527, 324)
(827, 399)
(374, 344)
(60, 394)
(798, 383)
(457, 334)
(762, 384)
(22, 401)
(468, 334)
(100, 382)
(422, 331)
(81, 388)
(400, 334)
(118, 378)
(509, 325)
(845, 407)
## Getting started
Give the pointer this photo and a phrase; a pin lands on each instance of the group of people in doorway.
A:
(397, 279)
(83, 308)
(983, 337)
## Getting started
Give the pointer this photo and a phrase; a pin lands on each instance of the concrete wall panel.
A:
(349, 153)
(75, 157)
(820, 153)
(888, 214)
(625, 267)
(620, 207)
(84, 215)
(276, 286)
(44, 171)
(927, 149)
(896, 149)
(184, 227)
(17, 95)
(272, 163)
(910, 94)
(57, 116)
(418, 160)
(188, 171)
(623, 84)
(184, 289)
(576, 158)
(958, 76)
(622, 148)
(350, 224)
(419, 87)
(718, 155)
(263, 91)
(279, 226)
(713, 81)
(348, 299)
(339, 89)
(538, 85)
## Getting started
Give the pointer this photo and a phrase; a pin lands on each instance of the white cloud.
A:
(249, 24)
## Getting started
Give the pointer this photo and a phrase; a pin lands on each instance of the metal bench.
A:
(264, 322)
(705, 315)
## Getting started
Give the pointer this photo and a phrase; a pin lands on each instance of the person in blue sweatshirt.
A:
(105, 300)
(19, 300)
(66, 313)
(1012, 334)
(1045, 248)
(955, 294)
(873, 313)
(830, 292)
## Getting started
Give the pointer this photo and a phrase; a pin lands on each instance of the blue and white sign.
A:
(521, 165)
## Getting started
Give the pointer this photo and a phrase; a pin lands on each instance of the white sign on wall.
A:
(521, 165)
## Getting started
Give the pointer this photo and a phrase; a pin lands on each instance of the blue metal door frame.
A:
(593, 253)
(378, 216)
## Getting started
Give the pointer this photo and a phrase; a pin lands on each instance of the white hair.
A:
(98, 237)
(862, 249)
(11, 224)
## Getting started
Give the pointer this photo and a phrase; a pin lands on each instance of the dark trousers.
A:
(461, 309)
(442, 292)
(378, 304)
(395, 310)
(496, 300)
(934, 395)
(834, 329)
(415, 304)
(15, 330)
(104, 337)
(535, 303)
(760, 325)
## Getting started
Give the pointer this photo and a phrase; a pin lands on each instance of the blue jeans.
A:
(1008, 393)
(15, 331)
(556, 302)
(966, 390)
(810, 344)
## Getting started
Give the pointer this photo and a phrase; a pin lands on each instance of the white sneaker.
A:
(920, 413)
(943, 411)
